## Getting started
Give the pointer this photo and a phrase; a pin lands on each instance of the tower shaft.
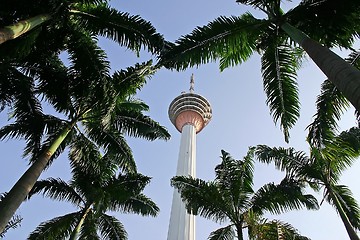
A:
(190, 113)
(182, 224)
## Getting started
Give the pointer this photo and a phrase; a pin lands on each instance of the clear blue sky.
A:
(240, 119)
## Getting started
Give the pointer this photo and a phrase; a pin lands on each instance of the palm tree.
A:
(95, 105)
(322, 170)
(232, 40)
(94, 189)
(230, 197)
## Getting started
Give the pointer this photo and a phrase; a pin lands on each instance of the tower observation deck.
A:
(189, 113)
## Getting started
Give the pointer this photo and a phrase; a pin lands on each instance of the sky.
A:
(240, 119)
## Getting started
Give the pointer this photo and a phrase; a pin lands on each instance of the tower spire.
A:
(192, 83)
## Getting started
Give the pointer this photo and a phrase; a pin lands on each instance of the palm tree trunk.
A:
(20, 190)
(75, 233)
(349, 228)
(21, 27)
(239, 231)
(342, 74)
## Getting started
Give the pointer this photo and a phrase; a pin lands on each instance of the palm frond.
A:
(330, 105)
(341, 152)
(56, 189)
(89, 227)
(224, 233)
(127, 81)
(285, 159)
(89, 67)
(202, 198)
(231, 39)
(279, 68)
(87, 160)
(111, 228)
(130, 31)
(119, 190)
(235, 178)
(56, 228)
(114, 143)
(275, 229)
(288, 195)
(263, 5)
(136, 124)
(55, 84)
(138, 204)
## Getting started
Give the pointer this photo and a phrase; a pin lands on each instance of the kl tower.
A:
(189, 113)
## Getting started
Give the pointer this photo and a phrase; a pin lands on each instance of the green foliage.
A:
(95, 189)
(232, 40)
(58, 227)
(330, 105)
(322, 169)
(275, 229)
(279, 68)
(230, 196)
(225, 233)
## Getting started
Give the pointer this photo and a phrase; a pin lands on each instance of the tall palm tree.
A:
(231, 197)
(96, 105)
(232, 40)
(322, 170)
(94, 189)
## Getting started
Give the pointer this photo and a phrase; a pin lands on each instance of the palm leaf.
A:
(225, 233)
(276, 229)
(231, 39)
(111, 228)
(89, 227)
(55, 84)
(202, 198)
(127, 82)
(235, 178)
(288, 195)
(114, 143)
(330, 105)
(90, 68)
(132, 32)
(138, 204)
(56, 189)
(86, 159)
(341, 152)
(279, 75)
(285, 159)
(56, 228)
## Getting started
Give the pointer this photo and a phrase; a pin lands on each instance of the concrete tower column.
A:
(189, 113)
